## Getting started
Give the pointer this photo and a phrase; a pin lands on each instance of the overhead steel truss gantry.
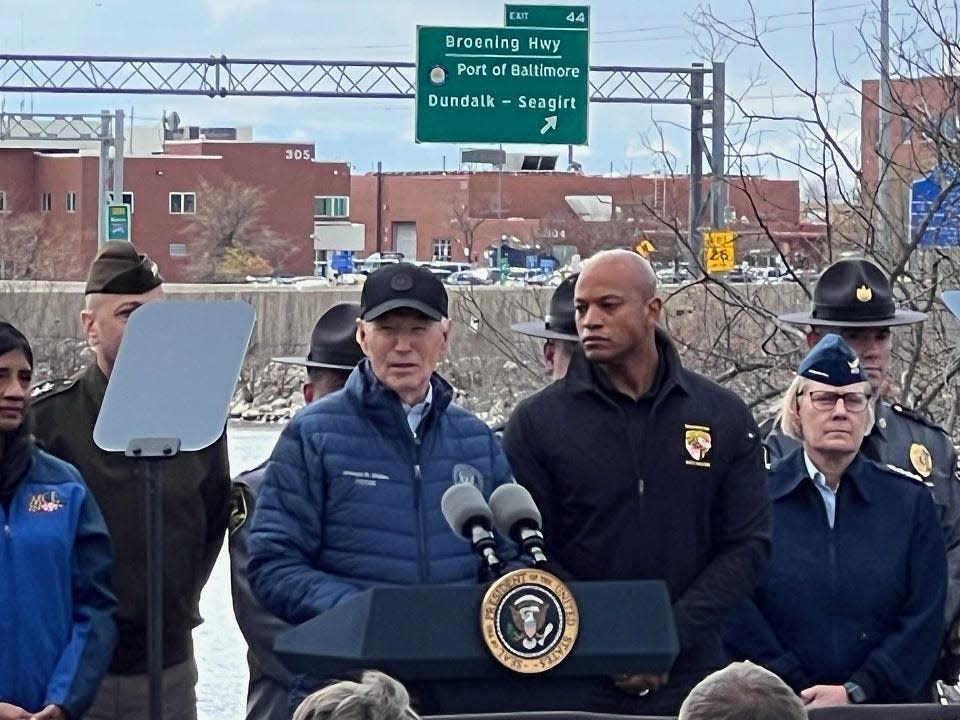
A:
(242, 77)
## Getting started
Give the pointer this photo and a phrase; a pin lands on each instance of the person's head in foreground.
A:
(376, 697)
(742, 691)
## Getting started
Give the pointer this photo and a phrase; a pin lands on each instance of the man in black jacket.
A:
(645, 470)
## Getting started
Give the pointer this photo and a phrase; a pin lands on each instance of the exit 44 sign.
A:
(504, 85)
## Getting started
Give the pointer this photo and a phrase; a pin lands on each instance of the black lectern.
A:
(430, 638)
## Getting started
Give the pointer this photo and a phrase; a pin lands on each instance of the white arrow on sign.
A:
(550, 124)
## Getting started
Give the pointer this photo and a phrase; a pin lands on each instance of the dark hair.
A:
(12, 339)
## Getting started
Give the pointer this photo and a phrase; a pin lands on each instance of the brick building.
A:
(923, 131)
(163, 190)
(315, 207)
(459, 215)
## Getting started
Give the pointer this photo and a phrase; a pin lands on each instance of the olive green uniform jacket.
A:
(195, 489)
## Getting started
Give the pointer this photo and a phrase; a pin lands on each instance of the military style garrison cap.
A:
(333, 343)
(119, 269)
(832, 362)
(853, 293)
(560, 322)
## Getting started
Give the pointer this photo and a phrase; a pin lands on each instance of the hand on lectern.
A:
(640, 683)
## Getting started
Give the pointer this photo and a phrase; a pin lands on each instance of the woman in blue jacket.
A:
(56, 607)
(851, 610)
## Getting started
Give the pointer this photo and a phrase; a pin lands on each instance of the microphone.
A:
(468, 515)
(517, 517)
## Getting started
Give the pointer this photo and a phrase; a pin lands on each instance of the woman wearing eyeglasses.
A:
(851, 609)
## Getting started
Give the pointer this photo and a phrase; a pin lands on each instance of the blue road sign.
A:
(943, 228)
(342, 261)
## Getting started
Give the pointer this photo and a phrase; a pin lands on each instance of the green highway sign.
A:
(547, 16)
(502, 85)
(118, 222)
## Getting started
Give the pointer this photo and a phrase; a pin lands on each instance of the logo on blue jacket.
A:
(464, 474)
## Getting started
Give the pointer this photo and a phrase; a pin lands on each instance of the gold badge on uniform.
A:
(529, 620)
(864, 293)
(921, 460)
(698, 443)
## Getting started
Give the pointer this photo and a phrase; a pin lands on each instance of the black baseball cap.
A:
(403, 285)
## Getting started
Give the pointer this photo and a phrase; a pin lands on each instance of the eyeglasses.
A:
(855, 402)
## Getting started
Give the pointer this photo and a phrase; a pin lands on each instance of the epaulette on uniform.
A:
(51, 387)
(918, 416)
(907, 474)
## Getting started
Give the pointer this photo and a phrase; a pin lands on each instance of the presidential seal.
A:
(529, 620)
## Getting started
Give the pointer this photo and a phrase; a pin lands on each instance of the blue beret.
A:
(832, 362)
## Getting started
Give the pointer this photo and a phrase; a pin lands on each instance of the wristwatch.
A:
(855, 693)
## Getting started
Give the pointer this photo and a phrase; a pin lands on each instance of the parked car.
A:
(673, 276)
(378, 260)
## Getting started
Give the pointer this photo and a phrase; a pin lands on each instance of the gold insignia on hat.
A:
(864, 293)
(921, 460)
(698, 443)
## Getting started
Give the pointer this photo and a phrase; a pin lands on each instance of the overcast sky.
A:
(623, 32)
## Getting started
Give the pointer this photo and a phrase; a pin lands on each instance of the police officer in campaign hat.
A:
(853, 298)
(334, 352)
(558, 330)
(195, 489)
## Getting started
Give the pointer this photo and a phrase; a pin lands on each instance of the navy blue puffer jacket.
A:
(352, 498)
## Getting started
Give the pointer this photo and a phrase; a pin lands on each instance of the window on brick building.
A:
(183, 203)
(71, 202)
(442, 249)
(46, 202)
(178, 250)
(125, 197)
(327, 206)
(3, 201)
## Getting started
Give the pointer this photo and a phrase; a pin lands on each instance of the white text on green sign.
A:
(547, 16)
(530, 84)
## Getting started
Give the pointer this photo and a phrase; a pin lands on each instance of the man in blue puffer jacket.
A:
(352, 493)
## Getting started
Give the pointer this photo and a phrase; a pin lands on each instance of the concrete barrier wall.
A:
(49, 312)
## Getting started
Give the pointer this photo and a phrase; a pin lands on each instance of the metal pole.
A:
(102, 177)
(154, 529)
(696, 161)
(379, 244)
(500, 185)
(718, 165)
(118, 143)
(883, 227)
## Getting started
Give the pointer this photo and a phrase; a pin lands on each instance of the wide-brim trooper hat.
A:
(560, 322)
(853, 293)
(333, 343)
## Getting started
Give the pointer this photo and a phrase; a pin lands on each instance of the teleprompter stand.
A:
(170, 391)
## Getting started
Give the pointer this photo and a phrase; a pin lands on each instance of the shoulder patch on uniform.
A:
(907, 474)
(51, 387)
(916, 415)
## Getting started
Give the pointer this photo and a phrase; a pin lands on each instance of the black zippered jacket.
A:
(671, 486)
